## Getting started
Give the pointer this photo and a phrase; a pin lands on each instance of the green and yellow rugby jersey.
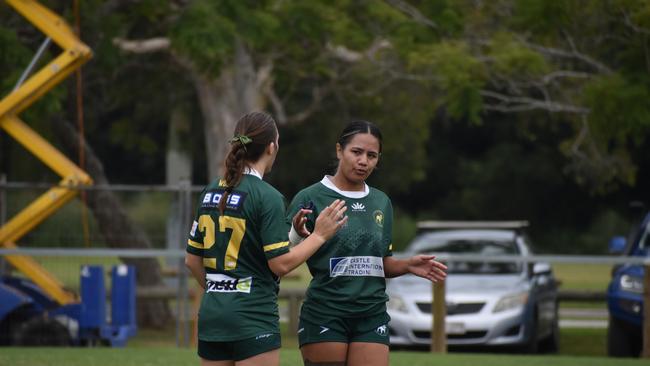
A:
(240, 300)
(348, 272)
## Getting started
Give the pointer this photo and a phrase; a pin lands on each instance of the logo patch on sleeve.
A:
(195, 224)
(235, 200)
(362, 266)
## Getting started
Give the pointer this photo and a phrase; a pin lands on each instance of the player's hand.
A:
(331, 219)
(426, 266)
(299, 222)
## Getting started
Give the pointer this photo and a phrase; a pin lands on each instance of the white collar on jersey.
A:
(252, 171)
(327, 182)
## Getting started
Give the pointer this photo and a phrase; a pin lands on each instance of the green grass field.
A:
(289, 357)
(586, 277)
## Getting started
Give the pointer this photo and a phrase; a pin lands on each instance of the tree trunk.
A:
(118, 229)
(236, 92)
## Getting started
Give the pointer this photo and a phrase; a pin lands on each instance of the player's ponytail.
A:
(253, 133)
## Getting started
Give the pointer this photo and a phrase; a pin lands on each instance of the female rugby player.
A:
(238, 249)
(343, 320)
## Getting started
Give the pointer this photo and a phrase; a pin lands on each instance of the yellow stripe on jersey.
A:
(194, 244)
(270, 247)
(210, 263)
(390, 246)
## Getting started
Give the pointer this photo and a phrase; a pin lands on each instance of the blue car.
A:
(625, 293)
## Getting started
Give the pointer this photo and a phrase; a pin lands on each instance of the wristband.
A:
(294, 237)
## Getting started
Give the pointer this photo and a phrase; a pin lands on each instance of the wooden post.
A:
(294, 313)
(439, 312)
(645, 352)
(198, 296)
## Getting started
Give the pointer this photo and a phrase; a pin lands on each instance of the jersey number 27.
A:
(238, 227)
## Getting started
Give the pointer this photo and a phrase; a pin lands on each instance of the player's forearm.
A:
(195, 265)
(395, 267)
(296, 256)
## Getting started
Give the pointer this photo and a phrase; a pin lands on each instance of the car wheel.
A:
(40, 332)
(551, 344)
(622, 340)
(532, 345)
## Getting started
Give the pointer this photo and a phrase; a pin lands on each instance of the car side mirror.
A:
(541, 268)
(617, 244)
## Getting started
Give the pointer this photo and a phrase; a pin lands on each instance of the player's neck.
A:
(345, 184)
(258, 166)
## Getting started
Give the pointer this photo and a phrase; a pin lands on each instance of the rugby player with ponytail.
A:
(238, 249)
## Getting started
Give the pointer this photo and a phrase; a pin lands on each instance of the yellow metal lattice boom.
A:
(74, 54)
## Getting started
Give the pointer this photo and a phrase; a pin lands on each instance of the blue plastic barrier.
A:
(93, 326)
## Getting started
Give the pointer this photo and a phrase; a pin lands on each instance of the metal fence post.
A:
(177, 203)
(439, 312)
(645, 352)
(3, 199)
(184, 223)
(3, 216)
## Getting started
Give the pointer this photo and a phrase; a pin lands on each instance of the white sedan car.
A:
(488, 304)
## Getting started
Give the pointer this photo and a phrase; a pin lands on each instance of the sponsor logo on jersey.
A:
(361, 266)
(358, 207)
(235, 200)
(382, 330)
(263, 336)
(216, 282)
(379, 218)
(195, 224)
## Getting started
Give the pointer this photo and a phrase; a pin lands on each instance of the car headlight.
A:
(511, 302)
(632, 284)
(396, 303)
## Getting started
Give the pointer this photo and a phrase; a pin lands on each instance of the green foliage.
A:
(404, 229)
(12, 52)
(402, 112)
(619, 108)
(540, 16)
(122, 133)
(512, 60)
(205, 36)
(458, 74)
(446, 153)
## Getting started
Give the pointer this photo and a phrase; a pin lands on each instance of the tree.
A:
(291, 56)
(113, 221)
(583, 64)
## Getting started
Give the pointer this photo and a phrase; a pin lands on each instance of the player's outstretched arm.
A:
(424, 266)
(330, 220)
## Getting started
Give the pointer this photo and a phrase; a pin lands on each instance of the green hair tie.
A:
(242, 139)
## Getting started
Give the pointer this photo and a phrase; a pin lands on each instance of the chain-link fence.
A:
(145, 226)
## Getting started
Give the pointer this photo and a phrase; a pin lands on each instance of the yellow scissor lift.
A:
(74, 54)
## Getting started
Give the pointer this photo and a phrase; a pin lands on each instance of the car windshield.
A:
(483, 247)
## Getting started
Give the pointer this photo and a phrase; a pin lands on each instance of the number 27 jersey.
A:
(241, 291)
